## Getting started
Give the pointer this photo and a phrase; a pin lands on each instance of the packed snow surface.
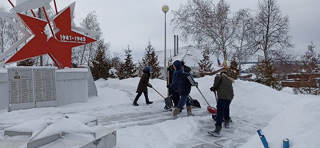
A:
(280, 114)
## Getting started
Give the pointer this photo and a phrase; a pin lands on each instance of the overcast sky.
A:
(135, 22)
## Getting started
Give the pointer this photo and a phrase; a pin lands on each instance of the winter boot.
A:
(135, 104)
(189, 112)
(216, 132)
(226, 123)
(181, 110)
(148, 102)
(175, 112)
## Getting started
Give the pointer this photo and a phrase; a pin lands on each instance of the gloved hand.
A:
(149, 85)
(212, 88)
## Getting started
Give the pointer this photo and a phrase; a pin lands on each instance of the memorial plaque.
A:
(44, 84)
(20, 85)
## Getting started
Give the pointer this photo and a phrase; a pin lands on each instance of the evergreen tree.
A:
(115, 63)
(310, 59)
(205, 64)
(100, 67)
(265, 75)
(151, 59)
(309, 67)
(127, 69)
(233, 69)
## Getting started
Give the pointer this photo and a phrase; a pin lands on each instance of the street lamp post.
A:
(165, 9)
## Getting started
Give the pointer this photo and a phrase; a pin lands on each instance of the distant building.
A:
(302, 80)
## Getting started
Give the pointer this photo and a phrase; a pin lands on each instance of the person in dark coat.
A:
(223, 86)
(174, 85)
(184, 87)
(170, 74)
(142, 86)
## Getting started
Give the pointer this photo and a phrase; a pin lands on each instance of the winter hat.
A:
(148, 68)
(177, 64)
(223, 72)
(187, 69)
(182, 63)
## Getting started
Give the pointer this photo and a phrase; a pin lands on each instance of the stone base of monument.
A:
(62, 132)
(34, 87)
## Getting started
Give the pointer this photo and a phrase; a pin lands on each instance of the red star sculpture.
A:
(60, 48)
(36, 46)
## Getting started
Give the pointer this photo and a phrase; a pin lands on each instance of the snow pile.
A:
(165, 134)
(299, 123)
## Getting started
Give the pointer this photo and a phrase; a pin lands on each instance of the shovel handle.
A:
(203, 96)
(158, 92)
(215, 95)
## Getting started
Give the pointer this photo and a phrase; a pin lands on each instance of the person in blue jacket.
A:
(185, 81)
(174, 85)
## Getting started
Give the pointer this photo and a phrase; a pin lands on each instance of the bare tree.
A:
(84, 54)
(207, 24)
(272, 30)
(8, 34)
(3, 30)
(244, 44)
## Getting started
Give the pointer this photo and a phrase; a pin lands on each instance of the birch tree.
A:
(207, 24)
(244, 44)
(84, 54)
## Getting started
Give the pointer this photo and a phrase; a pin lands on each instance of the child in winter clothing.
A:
(184, 87)
(142, 86)
(223, 86)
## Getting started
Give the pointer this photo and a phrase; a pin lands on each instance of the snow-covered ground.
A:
(280, 114)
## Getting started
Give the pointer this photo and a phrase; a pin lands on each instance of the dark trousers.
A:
(184, 100)
(175, 97)
(223, 111)
(138, 96)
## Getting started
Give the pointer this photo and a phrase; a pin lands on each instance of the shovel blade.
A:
(195, 103)
(212, 110)
(168, 102)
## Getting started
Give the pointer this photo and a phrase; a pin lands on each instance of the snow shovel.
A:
(210, 109)
(214, 116)
(194, 102)
(167, 100)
